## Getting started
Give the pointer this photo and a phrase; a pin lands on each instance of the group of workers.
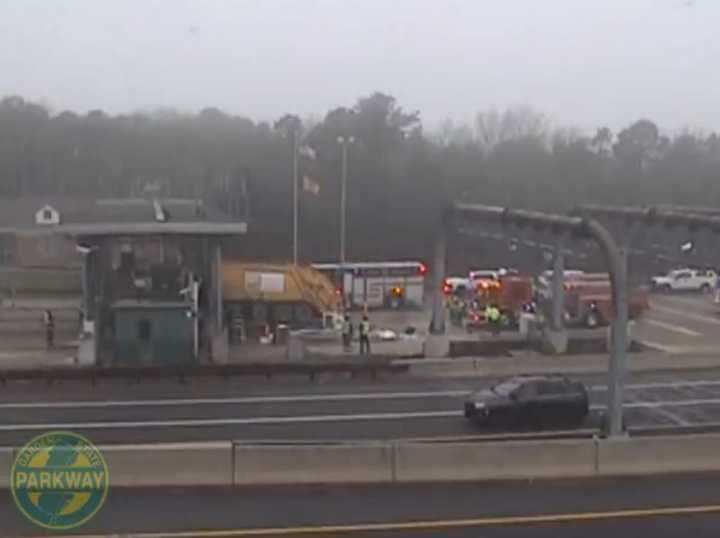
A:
(459, 308)
(364, 334)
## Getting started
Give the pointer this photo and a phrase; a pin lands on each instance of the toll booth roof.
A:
(117, 216)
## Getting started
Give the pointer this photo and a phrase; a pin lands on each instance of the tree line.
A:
(400, 176)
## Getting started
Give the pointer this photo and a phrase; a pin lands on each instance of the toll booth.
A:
(152, 290)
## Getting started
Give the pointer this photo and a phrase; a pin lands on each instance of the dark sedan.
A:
(532, 400)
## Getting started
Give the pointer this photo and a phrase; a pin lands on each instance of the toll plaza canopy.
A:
(163, 255)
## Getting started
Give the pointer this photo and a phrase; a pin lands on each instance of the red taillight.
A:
(338, 291)
(422, 269)
(447, 288)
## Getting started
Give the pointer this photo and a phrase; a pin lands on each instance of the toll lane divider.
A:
(244, 464)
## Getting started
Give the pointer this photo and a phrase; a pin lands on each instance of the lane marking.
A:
(699, 301)
(669, 327)
(672, 403)
(426, 524)
(230, 421)
(663, 385)
(244, 400)
(181, 423)
(684, 314)
(94, 404)
(658, 346)
(674, 418)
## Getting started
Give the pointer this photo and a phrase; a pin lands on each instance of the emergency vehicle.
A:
(513, 294)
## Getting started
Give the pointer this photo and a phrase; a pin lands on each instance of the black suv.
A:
(530, 400)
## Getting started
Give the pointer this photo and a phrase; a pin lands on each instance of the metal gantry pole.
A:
(618, 329)
(559, 224)
(437, 325)
(558, 289)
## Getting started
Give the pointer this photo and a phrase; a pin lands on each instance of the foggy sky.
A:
(584, 63)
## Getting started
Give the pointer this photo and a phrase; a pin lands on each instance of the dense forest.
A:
(399, 176)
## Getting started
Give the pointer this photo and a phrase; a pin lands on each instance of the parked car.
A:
(685, 280)
(533, 400)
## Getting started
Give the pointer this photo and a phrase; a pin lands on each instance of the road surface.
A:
(678, 506)
(399, 407)
(680, 323)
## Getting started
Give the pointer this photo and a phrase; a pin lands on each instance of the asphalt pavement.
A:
(680, 323)
(656, 506)
(400, 407)
(337, 408)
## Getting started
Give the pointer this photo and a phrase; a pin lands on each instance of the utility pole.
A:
(295, 194)
(344, 142)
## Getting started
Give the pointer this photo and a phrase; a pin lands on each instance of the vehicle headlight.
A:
(479, 405)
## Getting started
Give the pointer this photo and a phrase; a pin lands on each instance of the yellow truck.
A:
(258, 297)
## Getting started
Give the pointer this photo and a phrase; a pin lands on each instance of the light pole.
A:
(295, 195)
(344, 142)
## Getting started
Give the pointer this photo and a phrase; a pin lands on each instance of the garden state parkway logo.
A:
(59, 480)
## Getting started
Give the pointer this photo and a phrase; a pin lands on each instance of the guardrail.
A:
(183, 372)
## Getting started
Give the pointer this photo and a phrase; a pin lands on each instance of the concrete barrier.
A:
(7, 457)
(666, 454)
(311, 464)
(180, 464)
(226, 463)
(418, 462)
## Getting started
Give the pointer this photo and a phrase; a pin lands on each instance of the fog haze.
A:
(584, 63)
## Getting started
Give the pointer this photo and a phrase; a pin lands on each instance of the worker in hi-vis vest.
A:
(493, 317)
(364, 335)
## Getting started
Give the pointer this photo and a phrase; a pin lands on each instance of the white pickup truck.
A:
(685, 280)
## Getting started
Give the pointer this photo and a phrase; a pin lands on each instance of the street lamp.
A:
(295, 195)
(290, 127)
(344, 143)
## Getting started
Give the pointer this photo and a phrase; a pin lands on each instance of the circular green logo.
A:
(59, 480)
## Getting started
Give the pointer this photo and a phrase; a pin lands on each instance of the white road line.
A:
(660, 347)
(669, 327)
(698, 301)
(187, 423)
(231, 421)
(673, 403)
(301, 398)
(230, 401)
(673, 417)
(663, 385)
(684, 314)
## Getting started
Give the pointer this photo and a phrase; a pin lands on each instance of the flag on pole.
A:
(307, 152)
(311, 186)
